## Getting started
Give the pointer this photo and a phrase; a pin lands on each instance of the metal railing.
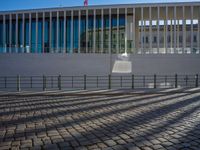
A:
(42, 83)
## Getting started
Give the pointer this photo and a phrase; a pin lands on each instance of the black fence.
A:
(20, 83)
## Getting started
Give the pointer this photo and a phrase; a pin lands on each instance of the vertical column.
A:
(134, 43)
(23, 29)
(150, 28)
(126, 30)
(36, 41)
(29, 32)
(43, 32)
(117, 30)
(64, 49)
(50, 33)
(94, 32)
(79, 31)
(175, 30)
(10, 36)
(166, 30)
(87, 31)
(16, 33)
(192, 32)
(184, 30)
(141, 34)
(4, 33)
(72, 30)
(158, 29)
(109, 44)
(102, 23)
(57, 32)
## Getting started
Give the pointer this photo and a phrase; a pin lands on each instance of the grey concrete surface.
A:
(96, 64)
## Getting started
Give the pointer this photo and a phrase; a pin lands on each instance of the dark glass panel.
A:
(75, 36)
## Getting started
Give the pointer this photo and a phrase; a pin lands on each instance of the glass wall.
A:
(61, 34)
(20, 36)
(75, 34)
(26, 36)
(98, 34)
(106, 34)
(90, 33)
(83, 34)
(121, 33)
(1, 37)
(46, 36)
(7, 35)
(39, 45)
(68, 34)
(114, 34)
(13, 40)
(158, 33)
(33, 36)
(53, 34)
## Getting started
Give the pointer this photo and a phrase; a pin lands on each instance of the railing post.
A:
(109, 81)
(133, 82)
(44, 83)
(176, 80)
(154, 81)
(144, 82)
(197, 80)
(18, 83)
(59, 82)
(85, 78)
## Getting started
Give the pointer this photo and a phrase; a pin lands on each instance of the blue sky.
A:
(29, 4)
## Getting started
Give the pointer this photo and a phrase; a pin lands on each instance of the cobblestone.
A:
(117, 122)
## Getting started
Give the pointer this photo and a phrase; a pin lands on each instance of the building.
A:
(159, 38)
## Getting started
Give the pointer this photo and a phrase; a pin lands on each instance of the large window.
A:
(61, 34)
(68, 35)
(75, 35)
(33, 36)
(98, 34)
(1, 37)
(83, 34)
(39, 46)
(121, 33)
(46, 36)
(114, 34)
(106, 34)
(90, 33)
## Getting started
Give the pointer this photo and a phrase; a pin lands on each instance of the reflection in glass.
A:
(83, 34)
(33, 35)
(90, 33)
(75, 34)
(46, 36)
(106, 34)
(98, 34)
(68, 34)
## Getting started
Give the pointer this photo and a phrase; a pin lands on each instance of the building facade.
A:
(140, 28)
(137, 29)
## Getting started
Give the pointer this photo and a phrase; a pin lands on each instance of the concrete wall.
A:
(96, 64)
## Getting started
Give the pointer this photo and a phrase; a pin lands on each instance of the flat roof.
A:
(195, 3)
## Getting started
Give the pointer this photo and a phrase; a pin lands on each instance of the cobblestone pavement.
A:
(135, 122)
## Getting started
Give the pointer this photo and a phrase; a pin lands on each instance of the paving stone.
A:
(140, 122)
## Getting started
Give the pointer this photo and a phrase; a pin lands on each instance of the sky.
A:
(32, 4)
